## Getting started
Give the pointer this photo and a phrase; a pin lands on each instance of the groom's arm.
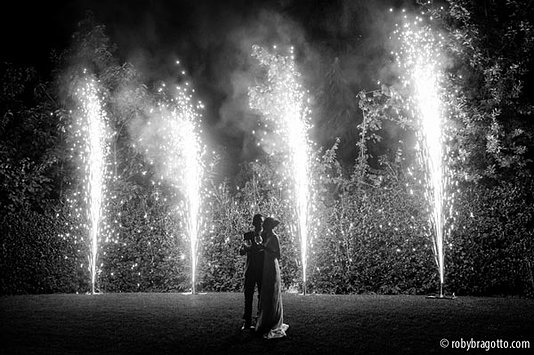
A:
(246, 246)
(244, 249)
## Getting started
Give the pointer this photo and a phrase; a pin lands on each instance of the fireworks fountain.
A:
(282, 101)
(92, 139)
(421, 59)
(172, 141)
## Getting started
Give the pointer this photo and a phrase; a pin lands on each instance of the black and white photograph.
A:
(267, 177)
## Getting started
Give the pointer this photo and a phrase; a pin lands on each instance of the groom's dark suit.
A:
(253, 272)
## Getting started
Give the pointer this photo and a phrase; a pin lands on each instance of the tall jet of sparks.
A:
(420, 57)
(92, 137)
(172, 140)
(186, 136)
(282, 101)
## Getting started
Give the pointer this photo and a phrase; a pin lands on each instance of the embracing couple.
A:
(262, 248)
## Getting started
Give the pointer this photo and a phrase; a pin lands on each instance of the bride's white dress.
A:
(270, 321)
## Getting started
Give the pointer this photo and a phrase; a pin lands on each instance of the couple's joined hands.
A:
(247, 244)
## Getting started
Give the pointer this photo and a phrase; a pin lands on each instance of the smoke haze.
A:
(213, 40)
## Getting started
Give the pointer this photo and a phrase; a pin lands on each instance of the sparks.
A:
(172, 141)
(421, 59)
(92, 143)
(282, 101)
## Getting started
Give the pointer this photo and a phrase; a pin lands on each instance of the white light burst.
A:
(91, 146)
(172, 142)
(422, 62)
(282, 101)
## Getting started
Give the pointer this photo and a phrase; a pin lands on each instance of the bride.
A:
(270, 321)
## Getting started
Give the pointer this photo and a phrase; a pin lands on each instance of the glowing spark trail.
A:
(282, 101)
(420, 57)
(172, 141)
(93, 146)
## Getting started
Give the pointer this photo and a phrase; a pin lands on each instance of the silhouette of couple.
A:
(262, 268)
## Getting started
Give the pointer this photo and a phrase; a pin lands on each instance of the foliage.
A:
(30, 149)
(376, 241)
(222, 266)
(491, 251)
(34, 258)
(491, 46)
(336, 110)
(146, 254)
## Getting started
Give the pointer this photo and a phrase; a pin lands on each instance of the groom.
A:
(253, 268)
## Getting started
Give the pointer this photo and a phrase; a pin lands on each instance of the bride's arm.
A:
(276, 243)
(273, 246)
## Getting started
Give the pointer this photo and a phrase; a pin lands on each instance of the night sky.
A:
(211, 38)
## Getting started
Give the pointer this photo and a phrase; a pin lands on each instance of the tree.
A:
(491, 46)
(31, 149)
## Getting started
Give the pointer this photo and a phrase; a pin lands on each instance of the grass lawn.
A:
(173, 323)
